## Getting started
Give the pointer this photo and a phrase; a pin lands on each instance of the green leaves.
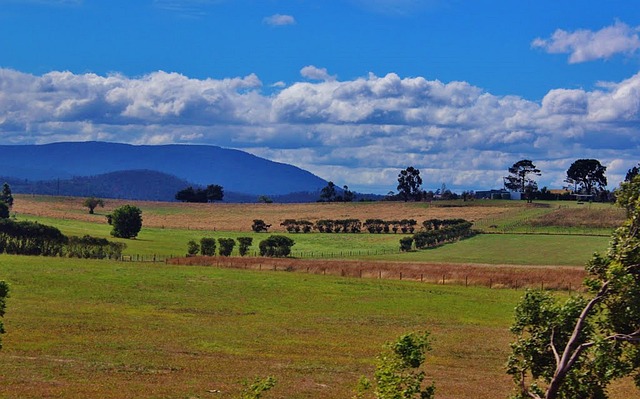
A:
(575, 348)
(397, 374)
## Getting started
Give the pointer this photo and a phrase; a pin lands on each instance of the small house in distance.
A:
(496, 194)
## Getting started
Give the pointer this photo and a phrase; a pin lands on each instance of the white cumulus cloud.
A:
(586, 45)
(358, 132)
(279, 20)
(315, 73)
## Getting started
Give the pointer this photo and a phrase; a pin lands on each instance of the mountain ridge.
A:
(235, 170)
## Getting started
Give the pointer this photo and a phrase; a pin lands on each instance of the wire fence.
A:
(564, 279)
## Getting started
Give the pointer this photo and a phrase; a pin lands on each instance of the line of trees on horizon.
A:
(585, 179)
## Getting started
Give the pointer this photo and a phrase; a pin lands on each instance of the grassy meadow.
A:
(79, 329)
(167, 227)
(107, 329)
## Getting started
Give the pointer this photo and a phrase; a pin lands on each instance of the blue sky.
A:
(352, 90)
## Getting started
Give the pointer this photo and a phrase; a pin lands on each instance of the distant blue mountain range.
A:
(236, 171)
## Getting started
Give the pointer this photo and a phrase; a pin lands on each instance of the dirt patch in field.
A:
(493, 276)
(239, 217)
(582, 217)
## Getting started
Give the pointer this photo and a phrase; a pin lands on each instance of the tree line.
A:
(273, 246)
(585, 178)
(35, 239)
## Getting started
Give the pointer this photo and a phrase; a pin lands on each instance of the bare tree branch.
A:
(553, 347)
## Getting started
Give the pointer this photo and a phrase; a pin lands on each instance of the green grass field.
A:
(106, 329)
(518, 249)
(79, 329)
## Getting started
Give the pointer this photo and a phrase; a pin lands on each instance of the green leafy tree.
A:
(126, 221)
(263, 199)
(633, 172)
(193, 248)
(260, 226)
(226, 246)
(92, 203)
(6, 196)
(4, 211)
(519, 178)
(398, 374)
(208, 246)
(214, 192)
(244, 245)
(347, 195)
(409, 182)
(587, 176)
(4, 294)
(328, 193)
(576, 348)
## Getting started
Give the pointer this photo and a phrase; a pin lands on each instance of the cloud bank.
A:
(358, 132)
(585, 45)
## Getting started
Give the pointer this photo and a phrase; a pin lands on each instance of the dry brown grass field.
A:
(238, 217)
(492, 276)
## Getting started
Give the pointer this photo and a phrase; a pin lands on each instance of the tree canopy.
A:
(633, 172)
(92, 203)
(409, 182)
(6, 196)
(211, 193)
(587, 175)
(519, 178)
(126, 221)
(575, 348)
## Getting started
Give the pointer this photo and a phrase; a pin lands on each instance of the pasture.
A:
(79, 329)
(87, 328)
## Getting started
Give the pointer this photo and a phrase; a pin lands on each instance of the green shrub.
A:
(226, 246)
(276, 246)
(88, 247)
(260, 226)
(208, 246)
(244, 244)
(192, 248)
(406, 243)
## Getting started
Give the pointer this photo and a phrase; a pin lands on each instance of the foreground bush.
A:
(398, 374)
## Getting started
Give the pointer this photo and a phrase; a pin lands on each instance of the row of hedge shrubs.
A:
(273, 246)
(32, 238)
(438, 232)
(341, 226)
(207, 246)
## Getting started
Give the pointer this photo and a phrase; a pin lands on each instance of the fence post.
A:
(490, 282)
(443, 279)
(400, 275)
(466, 281)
